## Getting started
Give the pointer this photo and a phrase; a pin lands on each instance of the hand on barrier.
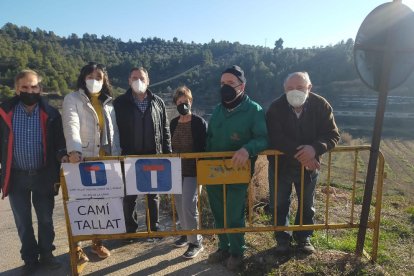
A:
(65, 159)
(312, 165)
(240, 158)
(75, 157)
(305, 153)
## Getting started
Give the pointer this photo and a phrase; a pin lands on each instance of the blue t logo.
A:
(153, 175)
(93, 174)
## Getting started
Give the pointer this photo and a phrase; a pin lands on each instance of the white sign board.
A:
(96, 216)
(151, 175)
(95, 179)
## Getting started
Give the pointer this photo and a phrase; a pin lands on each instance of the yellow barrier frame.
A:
(374, 224)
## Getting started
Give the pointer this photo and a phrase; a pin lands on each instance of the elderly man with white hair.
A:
(301, 125)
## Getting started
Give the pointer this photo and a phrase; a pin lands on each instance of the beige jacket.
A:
(81, 128)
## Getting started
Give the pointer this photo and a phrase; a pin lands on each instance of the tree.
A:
(207, 57)
(5, 92)
(73, 36)
(279, 44)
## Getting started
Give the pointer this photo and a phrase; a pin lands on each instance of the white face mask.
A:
(296, 98)
(94, 86)
(139, 86)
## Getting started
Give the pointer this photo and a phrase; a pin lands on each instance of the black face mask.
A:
(183, 108)
(29, 99)
(228, 93)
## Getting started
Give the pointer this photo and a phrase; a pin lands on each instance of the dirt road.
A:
(140, 258)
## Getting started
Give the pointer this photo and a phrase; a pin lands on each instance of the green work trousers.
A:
(235, 205)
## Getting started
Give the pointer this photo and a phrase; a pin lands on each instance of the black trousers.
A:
(153, 206)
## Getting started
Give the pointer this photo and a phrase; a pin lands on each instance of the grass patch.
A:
(344, 240)
(264, 217)
(359, 199)
(394, 230)
(339, 185)
(388, 170)
(410, 211)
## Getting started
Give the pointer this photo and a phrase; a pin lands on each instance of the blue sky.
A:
(300, 23)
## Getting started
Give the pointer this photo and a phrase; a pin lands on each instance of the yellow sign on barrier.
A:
(222, 172)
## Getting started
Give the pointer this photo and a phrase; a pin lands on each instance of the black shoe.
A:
(49, 261)
(306, 247)
(283, 247)
(193, 250)
(181, 242)
(219, 256)
(29, 267)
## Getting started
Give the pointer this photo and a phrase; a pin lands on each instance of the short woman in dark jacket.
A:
(188, 132)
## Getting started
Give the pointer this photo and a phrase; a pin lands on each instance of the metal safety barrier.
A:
(233, 176)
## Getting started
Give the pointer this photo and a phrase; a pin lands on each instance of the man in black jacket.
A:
(31, 149)
(301, 125)
(143, 129)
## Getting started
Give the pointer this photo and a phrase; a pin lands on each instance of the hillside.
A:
(60, 58)
(174, 63)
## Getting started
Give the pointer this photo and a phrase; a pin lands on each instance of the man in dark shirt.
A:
(31, 148)
(301, 125)
(143, 129)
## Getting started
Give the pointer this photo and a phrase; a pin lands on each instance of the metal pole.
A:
(375, 144)
(372, 165)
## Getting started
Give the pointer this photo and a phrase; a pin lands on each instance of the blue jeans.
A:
(25, 189)
(286, 177)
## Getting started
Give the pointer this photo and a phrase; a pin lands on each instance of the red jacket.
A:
(52, 139)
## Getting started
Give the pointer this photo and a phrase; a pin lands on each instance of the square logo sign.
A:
(153, 175)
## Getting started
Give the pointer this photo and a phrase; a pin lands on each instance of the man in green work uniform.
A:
(237, 124)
